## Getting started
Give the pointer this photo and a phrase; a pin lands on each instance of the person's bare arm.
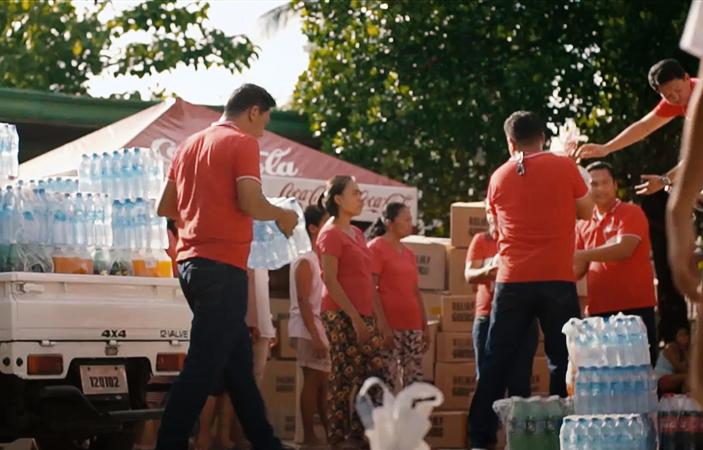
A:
(475, 273)
(622, 248)
(671, 352)
(421, 305)
(378, 313)
(303, 284)
(584, 207)
(252, 201)
(637, 131)
(168, 202)
(330, 265)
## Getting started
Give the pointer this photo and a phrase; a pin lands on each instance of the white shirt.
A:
(692, 39)
(263, 305)
(296, 326)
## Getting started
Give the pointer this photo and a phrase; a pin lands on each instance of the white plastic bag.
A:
(569, 134)
(401, 422)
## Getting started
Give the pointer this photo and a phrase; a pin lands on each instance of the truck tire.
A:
(113, 441)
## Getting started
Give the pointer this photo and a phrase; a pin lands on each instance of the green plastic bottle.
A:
(517, 434)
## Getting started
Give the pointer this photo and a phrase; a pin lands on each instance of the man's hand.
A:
(681, 239)
(287, 222)
(426, 340)
(255, 333)
(590, 151)
(651, 184)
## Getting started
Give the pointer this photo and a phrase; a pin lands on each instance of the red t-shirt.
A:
(206, 169)
(535, 215)
(620, 285)
(483, 248)
(353, 268)
(397, 284)
(666, 109)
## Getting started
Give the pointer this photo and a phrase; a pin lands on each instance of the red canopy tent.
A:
(288, 169)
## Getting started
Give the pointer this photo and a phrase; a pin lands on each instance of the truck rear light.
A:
(44, 364)
(170, 362)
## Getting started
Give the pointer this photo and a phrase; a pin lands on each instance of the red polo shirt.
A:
(206, 169)
(483, 248)
(620, 285)
(666, 109)
(535, 215)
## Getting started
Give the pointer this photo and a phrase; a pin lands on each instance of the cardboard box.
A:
(458, 384)
(458, 313)
(280, 309)
(428, 359)
(283, 349)
(455, 347)
(431, 256)
(457, 281)
(279, 282)
(467, 220)
(279, 390)
(433, 304)
(540, 376)
(448, 430)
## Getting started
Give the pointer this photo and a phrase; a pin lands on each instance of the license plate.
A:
(102, 380)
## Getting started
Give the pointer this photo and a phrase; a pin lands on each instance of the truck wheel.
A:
(113, 441)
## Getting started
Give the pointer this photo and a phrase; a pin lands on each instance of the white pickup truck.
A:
(77, 352)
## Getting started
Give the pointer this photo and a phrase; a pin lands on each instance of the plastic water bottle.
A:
(154, 226)
(9, 206)
(129, 222)
(118, 229)
(116, 177)
(99, 206)
(60, 222)
(583, 391)
(91, 220)
(567, 434)
(109, 237)
(155, 174)
(163, 233)
(95, 173)
(79, 220)
(42, 212)
(84, 174)
(127, 174)
(14, 151)
(141, 223)
(598, 389)
(106, 184)
(139, 175)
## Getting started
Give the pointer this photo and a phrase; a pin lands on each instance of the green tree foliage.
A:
(419, 90)
(49, 45)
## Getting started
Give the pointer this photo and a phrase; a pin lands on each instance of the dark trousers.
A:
(220, 346)
(514, 310)
(520, 376)
(650, 321)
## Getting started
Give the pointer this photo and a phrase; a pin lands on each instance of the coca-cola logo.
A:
(372, 203)
(273, 164)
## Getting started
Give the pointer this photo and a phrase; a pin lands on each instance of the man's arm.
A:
(584, 207)
(622, 248)
(631, 135)
(168, 202)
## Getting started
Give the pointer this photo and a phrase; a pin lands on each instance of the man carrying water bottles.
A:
(612, 251)
(213, 192)
(680, 232)
(535, 198)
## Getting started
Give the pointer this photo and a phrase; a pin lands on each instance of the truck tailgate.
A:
(60, 307)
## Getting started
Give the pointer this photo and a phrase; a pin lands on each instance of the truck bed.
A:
(60, 307)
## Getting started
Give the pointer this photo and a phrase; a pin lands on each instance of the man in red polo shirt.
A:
(535, 198)
(674, 85)
(612, 251)
(213, 192)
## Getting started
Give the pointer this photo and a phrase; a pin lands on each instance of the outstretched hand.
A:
(651, 184)
(591, 151)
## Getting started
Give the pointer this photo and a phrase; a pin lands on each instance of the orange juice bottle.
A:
(140, 262)
(164, 265)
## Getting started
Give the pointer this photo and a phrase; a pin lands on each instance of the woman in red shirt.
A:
(396, 279)
(351, 315)
(481, 267)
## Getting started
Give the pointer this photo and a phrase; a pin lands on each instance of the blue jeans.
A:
(520, 376)
(220, 347)
(514, 309)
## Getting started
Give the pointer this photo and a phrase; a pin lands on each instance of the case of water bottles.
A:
(533, 423)
(680, 423)
(9, 151)
(601, 432)
(270, 248)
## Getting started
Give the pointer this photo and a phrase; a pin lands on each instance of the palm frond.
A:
(277, 18)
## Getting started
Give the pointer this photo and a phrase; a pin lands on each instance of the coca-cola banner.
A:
(287, 167)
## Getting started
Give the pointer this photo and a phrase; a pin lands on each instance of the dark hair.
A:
(601, 165)
(672, 331)
(313, 216)
(665, 71)
(247, 96)
(335, 187)
(390, 213)
(524, 127)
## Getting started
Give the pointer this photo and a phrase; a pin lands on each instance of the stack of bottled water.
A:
(629, 432)
(680, 423)
(614, 372)
(533, 423)
(9, 151)
(58, 184)
(270, 249)
(128, 174)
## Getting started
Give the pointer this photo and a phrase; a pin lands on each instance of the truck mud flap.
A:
(74, 395)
